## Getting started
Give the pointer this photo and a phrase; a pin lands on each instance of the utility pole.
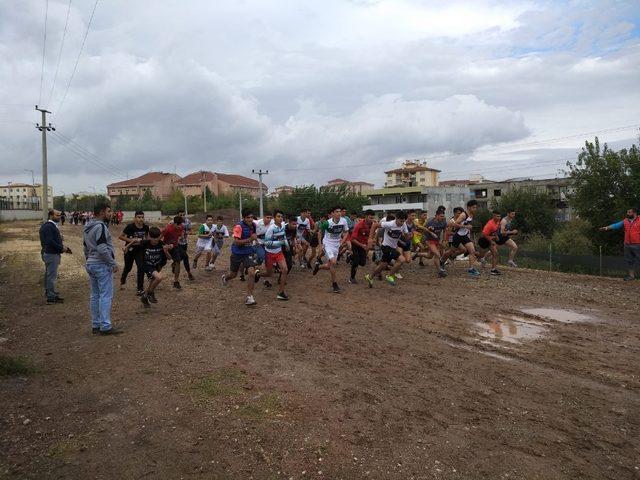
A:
(260, 173)
(94, 196)
(240, 196)
(44, 128)
(204, 192)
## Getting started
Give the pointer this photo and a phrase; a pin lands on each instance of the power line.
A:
(83, 156)
(64, 34)
(75, 67)
(44, 47)
(89, 155)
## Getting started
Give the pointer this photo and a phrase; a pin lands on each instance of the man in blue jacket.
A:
(52, 249)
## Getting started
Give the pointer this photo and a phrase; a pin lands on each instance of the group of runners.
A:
(269, 248)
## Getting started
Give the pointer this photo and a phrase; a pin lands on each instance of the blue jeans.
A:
(101, 283)
(260, 254)
(51, 264)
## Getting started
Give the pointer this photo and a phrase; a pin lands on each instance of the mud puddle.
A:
(511, 329)
(559, 315)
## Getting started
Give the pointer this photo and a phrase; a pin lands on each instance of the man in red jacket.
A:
(631, 225)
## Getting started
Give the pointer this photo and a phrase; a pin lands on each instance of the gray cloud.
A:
(232, 86)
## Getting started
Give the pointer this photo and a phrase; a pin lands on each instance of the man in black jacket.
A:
(52, 248)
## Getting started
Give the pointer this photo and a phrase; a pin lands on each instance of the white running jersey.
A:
(464, 230)
(275, 238)
(392, 233)
(303, 225)
(261, 229)
(333, 231)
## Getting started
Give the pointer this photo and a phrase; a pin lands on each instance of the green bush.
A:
(572, 239)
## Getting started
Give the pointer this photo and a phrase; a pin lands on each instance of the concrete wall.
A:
(149, 216)
(11, 215)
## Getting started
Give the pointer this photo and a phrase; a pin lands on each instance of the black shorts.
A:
(244, 261)
(177, 253)
(389, 254)
(313, 241)
(458, 240)
(484, 243)
(502, 240)
(358, 256)
(149, 269)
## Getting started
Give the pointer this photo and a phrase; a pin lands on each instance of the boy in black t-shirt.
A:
(155, 255)
(133, 252)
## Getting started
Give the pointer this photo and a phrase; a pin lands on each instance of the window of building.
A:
(448, 197)
(497, 193)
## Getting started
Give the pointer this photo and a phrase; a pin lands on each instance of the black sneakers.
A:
(176, 285)
(282, 296)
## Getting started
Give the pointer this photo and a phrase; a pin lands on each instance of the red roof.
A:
(361, 183)
(146, 179)
(338, 180)
(240, 181)
(196, 178)
(413, 169)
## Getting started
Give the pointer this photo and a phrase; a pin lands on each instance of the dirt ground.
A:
(431, 379)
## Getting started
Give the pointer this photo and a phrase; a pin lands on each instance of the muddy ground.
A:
(432, 379)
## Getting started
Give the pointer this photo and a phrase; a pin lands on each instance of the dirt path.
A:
(410, 382)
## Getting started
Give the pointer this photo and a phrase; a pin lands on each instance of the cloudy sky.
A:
(314, 90)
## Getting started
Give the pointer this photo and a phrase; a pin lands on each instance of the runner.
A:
(332, 234)
(434, 229)
(448, 233)
(243, 254)
(220, 232)
(171, 235)
(155, 255)
(360, 244)
(304, 229)
(133, 253)
(204, 242)
(261, 229)
(393, 230)
(487, 242)
(184, 242)
(313, 240)
(346, 246)
(275, 241)
(504, 236)
(404, 243)
(631, 226)
(461, 240)
(291, 232)
(418, 242)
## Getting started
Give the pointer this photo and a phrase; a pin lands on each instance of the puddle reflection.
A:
(559, 315)
(512, 329)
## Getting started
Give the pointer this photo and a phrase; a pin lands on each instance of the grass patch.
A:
(264, 407)
(63, 449)
(224, 382)
(15, 366)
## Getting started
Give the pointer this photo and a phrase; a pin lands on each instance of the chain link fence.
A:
(602, 265)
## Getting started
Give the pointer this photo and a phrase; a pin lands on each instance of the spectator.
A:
(101, 264)
(52, 248)
(631, 226)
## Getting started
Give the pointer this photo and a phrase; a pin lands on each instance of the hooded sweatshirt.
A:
(98, 247)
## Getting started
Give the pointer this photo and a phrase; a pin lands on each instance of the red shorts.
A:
(273, 258)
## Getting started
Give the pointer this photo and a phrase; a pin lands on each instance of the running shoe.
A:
(208, 268)
(256, 275)
(628, 278)
(353, 281)
(242, 279)
(194, 265)
(398, 276)
(442, 273)
(473, 272)
(282, 296)
(267, 284)
(511, 263)
(223, 279)
(145, 301)
(316, 267)
(250, 301)
(443, 262)
(495, 271)
(139, 293)
(369, 280)
(191, 277)
(391, 279)
(176, 285)
(483, 262)
(152, 297)
(335, 288)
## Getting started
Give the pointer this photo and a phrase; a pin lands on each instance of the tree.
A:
(59, 202)
(605, 184)
(320, 200)
(535, 211)
(174, 203)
